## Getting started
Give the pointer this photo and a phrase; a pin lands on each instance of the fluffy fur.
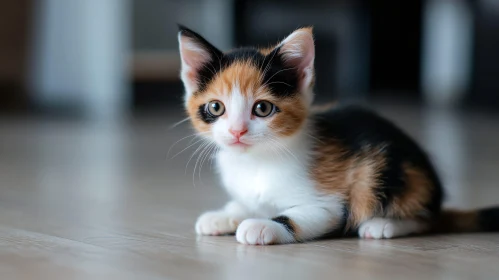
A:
(296, 174)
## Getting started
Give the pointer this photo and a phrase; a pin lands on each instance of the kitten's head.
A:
(248, 98)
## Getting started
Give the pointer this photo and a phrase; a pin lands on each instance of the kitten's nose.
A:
(238, 132)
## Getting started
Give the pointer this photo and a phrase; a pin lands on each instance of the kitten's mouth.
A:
(238, 143)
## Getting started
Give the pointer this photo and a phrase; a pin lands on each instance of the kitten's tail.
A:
(481, 220)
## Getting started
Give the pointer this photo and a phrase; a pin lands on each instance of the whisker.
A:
(183, 138)
(275, 150)
(282, 70)
(179, 122)
(269, 65)
(207, 154)
(278, 149)
(212, 70)
(187, 147)
(217, 149)
(195, 152)
(200, 134)
(278, 82)
(202, 157)
(201, 154)
(286, 149)
(313, 137)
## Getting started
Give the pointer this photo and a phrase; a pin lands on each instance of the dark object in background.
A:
(156, 95)
(395, 48)
(14, 41)
(484, 80)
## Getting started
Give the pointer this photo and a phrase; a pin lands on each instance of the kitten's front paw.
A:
(216, 223)
(262, 232)
(377, 228)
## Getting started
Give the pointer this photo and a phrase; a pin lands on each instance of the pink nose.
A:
(238, 132)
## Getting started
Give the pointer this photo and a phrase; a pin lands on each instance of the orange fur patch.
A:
(330, 169)
(353, 178)
(364, 203)
(244, 74)
(291, 118)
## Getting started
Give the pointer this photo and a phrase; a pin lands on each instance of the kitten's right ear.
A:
(196, 53)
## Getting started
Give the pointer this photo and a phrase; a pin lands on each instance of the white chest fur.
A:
(267, 183)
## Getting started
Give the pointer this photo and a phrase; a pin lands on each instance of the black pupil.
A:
(215, 106)
(262, 107)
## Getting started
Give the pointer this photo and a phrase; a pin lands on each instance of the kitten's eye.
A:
(216, 108)
(263, 109)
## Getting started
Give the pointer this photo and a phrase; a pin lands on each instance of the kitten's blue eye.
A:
(263, 109)
(215, 108)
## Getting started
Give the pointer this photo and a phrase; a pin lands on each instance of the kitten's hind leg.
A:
(220, 222)
(378, 228)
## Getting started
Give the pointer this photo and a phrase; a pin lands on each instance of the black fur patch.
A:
(204, 116)
(488, 219)
(359, 130)
(280, 79)
(286, 222)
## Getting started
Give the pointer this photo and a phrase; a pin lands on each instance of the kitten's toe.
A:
(216, 223)
(262, 232)
(375, 229)
(378, 228)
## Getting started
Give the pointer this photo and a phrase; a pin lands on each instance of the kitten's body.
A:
(295, 175)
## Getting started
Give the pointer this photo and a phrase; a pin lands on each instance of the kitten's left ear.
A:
(196, 53)
(298, 51)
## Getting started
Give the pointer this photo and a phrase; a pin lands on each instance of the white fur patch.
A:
(262, 232)
(223, 221)
(378, 228)
(216, 223)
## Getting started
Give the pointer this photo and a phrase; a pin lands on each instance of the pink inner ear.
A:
(193, 55)
(298, 51)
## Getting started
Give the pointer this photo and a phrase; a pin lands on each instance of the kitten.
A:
(295, 175)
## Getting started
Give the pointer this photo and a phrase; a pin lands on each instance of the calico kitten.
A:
(295, 175)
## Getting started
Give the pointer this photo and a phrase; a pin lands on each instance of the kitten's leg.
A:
(378, 228)
(220, 222)
(295, 224)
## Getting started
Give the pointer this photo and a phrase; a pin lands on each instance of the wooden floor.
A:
(83, 200)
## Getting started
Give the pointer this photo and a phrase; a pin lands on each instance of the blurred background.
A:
(90, 88)
(99, 176)
(108, 58)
